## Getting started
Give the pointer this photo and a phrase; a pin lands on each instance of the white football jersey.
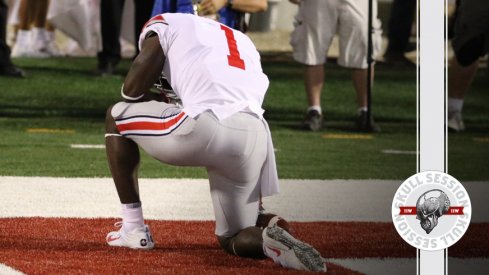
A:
(209, 65)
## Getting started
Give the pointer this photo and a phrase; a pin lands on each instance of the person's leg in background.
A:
(400, 24)
(470, 42)
(315, 25)
(459, 80)
(143, 9)
(50, 41)
(7, 68)
(43, 40)
(23, 41)
(43, 36)
(359, 79)
(314, 82)
(353, 42)
(110, 21)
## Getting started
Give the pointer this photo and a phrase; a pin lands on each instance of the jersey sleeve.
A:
(158, 25)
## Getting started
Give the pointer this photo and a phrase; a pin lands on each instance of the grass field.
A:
(62, 103)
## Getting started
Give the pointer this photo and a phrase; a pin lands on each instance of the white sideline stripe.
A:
(398, 152)
(407, 266)
(7, 270)
(87, 146)
(398, 266)
(189, 199)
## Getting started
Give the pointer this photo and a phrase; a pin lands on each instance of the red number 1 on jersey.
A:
(234, 59)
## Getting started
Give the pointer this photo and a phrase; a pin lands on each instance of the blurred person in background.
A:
(111, 18)
(35, 35)
(228, 12)
(315, 25)
(400, 25)
(7, 68)
(470, 43)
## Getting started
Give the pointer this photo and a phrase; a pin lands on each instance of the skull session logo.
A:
(431, 210)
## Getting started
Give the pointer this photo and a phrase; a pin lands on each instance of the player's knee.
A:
(225, 243)
(110, 126)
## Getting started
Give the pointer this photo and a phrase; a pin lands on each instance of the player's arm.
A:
(144, 71)
(212, 6)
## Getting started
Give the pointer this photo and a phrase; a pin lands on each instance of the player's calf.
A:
(247, 243)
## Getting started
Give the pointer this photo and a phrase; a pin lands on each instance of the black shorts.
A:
(471, 33)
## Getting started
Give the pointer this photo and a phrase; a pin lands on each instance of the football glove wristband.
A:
(130, 98)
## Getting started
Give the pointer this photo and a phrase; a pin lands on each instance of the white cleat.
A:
(455, 122)
(53, 50)
(290, 252)
(139, 238)
(19, 51)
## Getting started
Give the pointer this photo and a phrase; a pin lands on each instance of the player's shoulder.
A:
(157, 19)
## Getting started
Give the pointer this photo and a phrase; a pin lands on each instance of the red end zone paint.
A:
(65, 246)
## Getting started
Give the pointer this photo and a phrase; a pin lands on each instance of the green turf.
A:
(63, 94)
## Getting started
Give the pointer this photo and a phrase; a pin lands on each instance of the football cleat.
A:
(289, 252)
(268, 220)
(455, 122)
(366, 124)
(313, 121)
(139, 238)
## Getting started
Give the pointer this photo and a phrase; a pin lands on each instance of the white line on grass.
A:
(398, 152)
(87, 146)
(347, 136)
(50, 131)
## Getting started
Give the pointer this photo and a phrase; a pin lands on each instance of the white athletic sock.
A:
(23, 39)
(132, 216)
(315, 107)
(38, 39)
(455, 104)
(22, 45)
(49, 36)
(362, 109)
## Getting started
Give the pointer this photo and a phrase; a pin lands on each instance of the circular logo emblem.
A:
(143, 242)
(431, 210)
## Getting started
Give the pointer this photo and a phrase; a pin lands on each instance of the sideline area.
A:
(189, 200)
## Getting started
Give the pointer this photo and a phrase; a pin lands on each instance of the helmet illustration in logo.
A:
(430, 206)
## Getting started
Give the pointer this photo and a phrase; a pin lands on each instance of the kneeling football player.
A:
(216, 74)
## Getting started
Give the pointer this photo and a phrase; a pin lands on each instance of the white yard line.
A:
(407, 266)
(189, 199)
(398, 152)
(7, 270)
(87, 146)
(398, 266)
